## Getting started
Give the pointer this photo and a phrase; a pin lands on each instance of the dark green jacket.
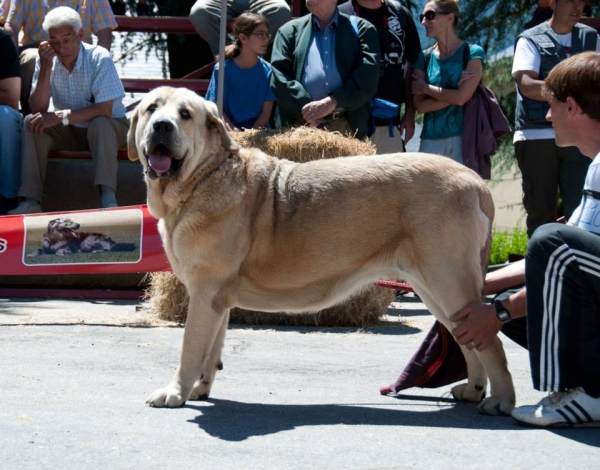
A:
(357, 59)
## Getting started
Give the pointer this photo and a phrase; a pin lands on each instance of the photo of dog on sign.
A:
(83, 238)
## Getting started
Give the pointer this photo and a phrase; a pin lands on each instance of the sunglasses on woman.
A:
(262, 35)
(430, 15)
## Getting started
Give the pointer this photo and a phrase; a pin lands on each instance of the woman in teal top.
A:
(442, 84)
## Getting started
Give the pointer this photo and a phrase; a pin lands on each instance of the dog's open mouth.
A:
(162, 163)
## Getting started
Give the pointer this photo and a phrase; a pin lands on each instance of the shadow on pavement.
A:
(237, 421)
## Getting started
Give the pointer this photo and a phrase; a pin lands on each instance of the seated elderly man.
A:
(87, 94)
(24, 22)
(326, 70)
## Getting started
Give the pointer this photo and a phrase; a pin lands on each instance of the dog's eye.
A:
(151, 108)
(185, 114)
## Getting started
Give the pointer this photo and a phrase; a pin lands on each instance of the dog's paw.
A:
(166, 397)
(201, 390)
(496, 406)
(464, 392)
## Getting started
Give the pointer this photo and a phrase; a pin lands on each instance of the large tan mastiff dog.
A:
(242, 228)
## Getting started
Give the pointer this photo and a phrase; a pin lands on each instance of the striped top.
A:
(93, 80)
(29, 15)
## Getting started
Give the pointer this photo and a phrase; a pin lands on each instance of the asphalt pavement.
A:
(74, 377)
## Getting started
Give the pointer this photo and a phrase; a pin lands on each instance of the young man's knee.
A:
(545, 238)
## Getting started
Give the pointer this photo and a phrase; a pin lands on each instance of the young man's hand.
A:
(479, 325)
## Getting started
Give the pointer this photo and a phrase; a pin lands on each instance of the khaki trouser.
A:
(384, 143)
(27, 59)
(103, 138)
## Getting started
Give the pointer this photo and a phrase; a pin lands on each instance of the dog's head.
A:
(62, 224)
(174, 131)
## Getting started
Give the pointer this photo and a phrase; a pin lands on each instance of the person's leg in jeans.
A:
(562, 275)
(10, 151)
(538, 162)
(450, 147)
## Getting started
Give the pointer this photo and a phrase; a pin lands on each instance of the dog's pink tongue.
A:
(160, 161)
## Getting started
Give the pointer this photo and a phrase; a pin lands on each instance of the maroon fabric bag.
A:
(438, 362)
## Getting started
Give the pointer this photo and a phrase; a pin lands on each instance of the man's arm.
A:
(407, 123)
(361, 85)
(290, 93)
(87, 114)
(478, 323)
(39, 100)
(529, 85)
(10, 89)
(105, 38)
(525, 69)
(457, 97)
(13, 31)
(505, 278)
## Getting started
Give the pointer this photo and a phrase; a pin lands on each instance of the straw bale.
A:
(168, 297)
(303, 144)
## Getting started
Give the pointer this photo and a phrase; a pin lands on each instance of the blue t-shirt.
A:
(245, 91)
(445, 73)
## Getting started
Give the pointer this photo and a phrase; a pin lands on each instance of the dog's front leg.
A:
(201, 327)
(203, 385)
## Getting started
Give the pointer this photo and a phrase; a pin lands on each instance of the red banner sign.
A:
(103, 241)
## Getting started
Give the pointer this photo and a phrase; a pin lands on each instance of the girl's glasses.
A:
(430, 15)
(262, 35)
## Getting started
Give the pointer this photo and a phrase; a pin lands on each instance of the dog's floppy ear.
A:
(212, 115)
(132, 152)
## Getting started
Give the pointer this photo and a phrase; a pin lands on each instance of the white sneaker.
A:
(573, 408)
(26, 207)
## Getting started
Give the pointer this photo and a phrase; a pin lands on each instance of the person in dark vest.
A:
(546, 168)
(399, 46)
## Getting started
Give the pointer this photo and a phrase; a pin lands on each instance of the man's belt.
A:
(335, 115)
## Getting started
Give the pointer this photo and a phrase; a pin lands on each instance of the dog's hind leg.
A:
(202, 387)
(452, 292)
(204, 320)
(502, 392)
(475, 388)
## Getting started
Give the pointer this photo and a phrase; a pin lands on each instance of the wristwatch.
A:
(65, 117)
(501, 313)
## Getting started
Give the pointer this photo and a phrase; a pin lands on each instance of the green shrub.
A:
(507, 243)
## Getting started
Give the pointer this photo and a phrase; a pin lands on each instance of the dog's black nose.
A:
(162, 127)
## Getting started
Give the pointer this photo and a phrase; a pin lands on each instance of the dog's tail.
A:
(123, 247)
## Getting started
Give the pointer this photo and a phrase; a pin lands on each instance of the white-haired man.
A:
(87, 94)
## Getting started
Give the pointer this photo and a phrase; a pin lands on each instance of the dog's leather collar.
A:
(200, 178)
